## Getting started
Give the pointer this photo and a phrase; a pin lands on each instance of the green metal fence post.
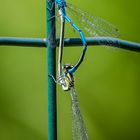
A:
(52, 114)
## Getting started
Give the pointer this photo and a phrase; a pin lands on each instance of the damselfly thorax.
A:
(66, 80)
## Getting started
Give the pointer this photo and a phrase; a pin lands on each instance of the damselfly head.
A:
(66, 67)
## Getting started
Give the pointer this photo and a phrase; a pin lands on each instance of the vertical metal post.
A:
(52, 110)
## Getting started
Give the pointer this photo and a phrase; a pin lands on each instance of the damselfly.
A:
(95, 26)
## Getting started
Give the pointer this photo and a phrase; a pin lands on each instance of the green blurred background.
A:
(107, 82)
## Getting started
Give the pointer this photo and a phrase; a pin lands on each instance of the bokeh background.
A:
(107, 83)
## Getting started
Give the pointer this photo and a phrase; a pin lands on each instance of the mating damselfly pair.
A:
(92, 25)
(95, 26)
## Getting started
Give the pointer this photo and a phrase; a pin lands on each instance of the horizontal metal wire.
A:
(92, 41)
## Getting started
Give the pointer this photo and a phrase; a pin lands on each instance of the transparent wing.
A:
(93, 25)
(78, 126)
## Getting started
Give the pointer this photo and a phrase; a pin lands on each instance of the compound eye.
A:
(67, 67)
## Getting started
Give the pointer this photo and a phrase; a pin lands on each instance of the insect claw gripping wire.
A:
(53, 78)
(51, 5)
